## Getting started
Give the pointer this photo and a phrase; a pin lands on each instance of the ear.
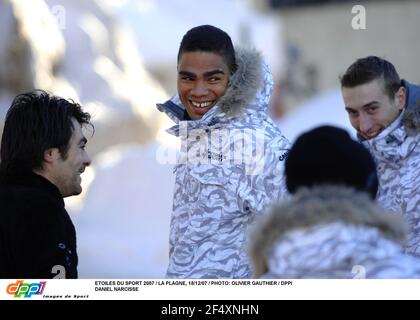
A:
(400, 97)
(51, 155)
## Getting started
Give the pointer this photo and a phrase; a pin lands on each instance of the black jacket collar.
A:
(32, 180)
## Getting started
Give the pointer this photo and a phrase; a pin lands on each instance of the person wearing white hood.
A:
(232, 155)
(331, 227)
(385, 111)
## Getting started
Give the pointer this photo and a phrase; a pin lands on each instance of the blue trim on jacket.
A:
(413, 94)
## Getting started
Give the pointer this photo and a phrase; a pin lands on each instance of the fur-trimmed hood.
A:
(411, 117)
(319, 206)
(251, 77)
(244, 83)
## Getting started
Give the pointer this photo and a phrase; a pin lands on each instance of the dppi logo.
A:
(19, 289)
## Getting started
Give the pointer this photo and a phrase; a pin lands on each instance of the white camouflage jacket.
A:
(230, 168)
(331, 232)
(396, 151)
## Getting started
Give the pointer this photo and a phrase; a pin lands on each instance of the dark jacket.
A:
(36, 232)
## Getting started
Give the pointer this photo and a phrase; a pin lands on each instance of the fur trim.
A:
(315, 206)
(411, 120)
(244, 83)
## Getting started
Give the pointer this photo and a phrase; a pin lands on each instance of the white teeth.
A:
(200, 104)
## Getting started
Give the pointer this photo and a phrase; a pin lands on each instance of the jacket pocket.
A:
(217, 196)
(210, 192)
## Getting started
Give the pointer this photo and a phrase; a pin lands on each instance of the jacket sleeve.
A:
(265, 183)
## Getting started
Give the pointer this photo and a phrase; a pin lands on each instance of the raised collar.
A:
(33, 180)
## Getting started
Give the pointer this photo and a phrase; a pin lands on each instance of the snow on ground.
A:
(123, 226)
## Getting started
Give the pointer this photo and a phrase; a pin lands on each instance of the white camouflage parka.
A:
(396, 151)
(229, 169)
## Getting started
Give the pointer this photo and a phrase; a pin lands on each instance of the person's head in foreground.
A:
(331, 227)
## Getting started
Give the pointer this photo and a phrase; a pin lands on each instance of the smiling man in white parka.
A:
(232, 155)
(385, 111)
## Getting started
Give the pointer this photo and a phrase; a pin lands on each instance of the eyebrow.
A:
(205, 74)
(370, 104)
(213, 72)
(367, 105)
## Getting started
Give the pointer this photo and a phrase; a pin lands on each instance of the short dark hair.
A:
(35, 122)
(365, 70)
(210, 39)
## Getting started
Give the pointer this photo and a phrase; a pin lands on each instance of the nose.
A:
(199, 89)
(365, 123)
(87, 161)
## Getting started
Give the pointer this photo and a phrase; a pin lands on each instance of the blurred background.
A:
(118, 59)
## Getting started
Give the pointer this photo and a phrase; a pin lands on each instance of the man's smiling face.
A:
(203, 78)
(370, 109)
